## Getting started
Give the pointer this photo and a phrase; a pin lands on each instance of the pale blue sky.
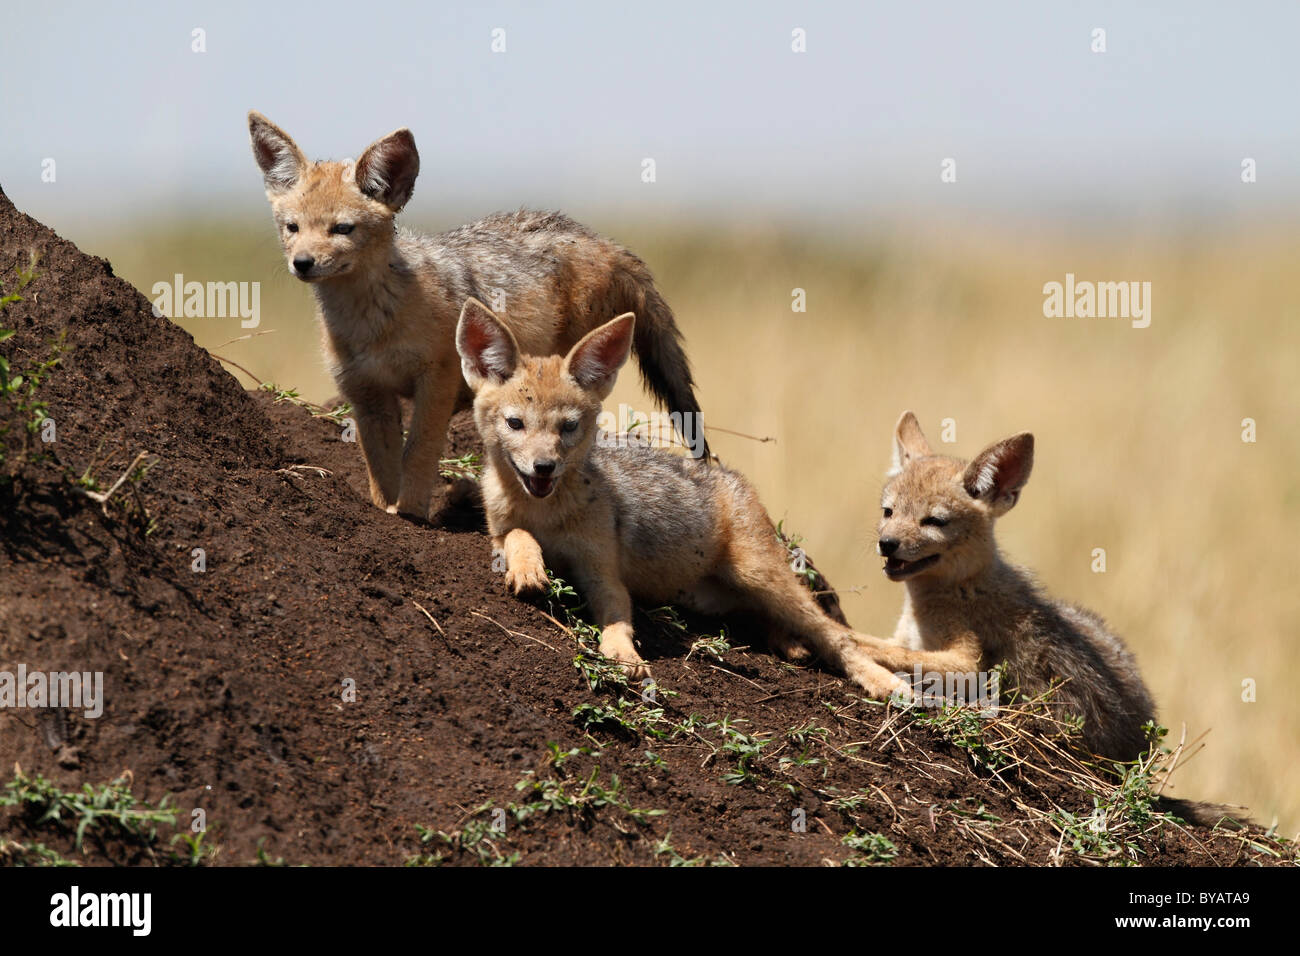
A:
(739, 126)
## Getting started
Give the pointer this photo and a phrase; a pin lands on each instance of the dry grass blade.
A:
(432, 620)
(513, 633)
(142, 459)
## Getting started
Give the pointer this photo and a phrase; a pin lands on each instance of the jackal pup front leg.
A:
(434, 401)
(525, 568)
(379, 426)
(597, 574)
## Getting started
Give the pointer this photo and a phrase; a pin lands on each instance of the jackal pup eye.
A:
(888, 512)
(291, 226)
(934, 521)
(570, 426)
(341, 228)
(515, 423)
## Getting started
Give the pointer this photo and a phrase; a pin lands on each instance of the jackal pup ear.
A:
(909, 443)
(488, 351)
(594, 362)
(278, 156)
(997, 474)
(387, 169)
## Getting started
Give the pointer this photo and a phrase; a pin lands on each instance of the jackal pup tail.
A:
(657, 342)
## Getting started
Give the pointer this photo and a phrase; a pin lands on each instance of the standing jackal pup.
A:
(626, 521)
(388, 299)
(967, 609)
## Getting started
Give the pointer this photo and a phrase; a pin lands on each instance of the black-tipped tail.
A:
(664, 367)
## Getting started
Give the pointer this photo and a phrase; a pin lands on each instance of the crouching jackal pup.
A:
(388, 299)
(967, 609)
(625, 521)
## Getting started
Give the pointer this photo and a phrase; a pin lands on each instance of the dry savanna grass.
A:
(1139, 453)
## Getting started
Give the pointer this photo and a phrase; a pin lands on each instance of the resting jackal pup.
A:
(967, 609)
(621, 521)
(388, 300)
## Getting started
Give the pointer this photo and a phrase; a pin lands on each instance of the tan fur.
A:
(966, 609)
(388, 300)
(627, 522)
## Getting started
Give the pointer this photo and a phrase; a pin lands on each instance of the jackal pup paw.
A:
(528, 577)
(616, 644)
(876, 680)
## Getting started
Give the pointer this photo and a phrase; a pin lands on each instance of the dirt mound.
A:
(225, 688)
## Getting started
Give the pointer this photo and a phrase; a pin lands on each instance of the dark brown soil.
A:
(224, 688)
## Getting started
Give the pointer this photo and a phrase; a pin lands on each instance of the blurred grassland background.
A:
(1139, 430)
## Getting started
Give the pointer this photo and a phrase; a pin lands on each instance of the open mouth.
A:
(539, 486)
(896, 569)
